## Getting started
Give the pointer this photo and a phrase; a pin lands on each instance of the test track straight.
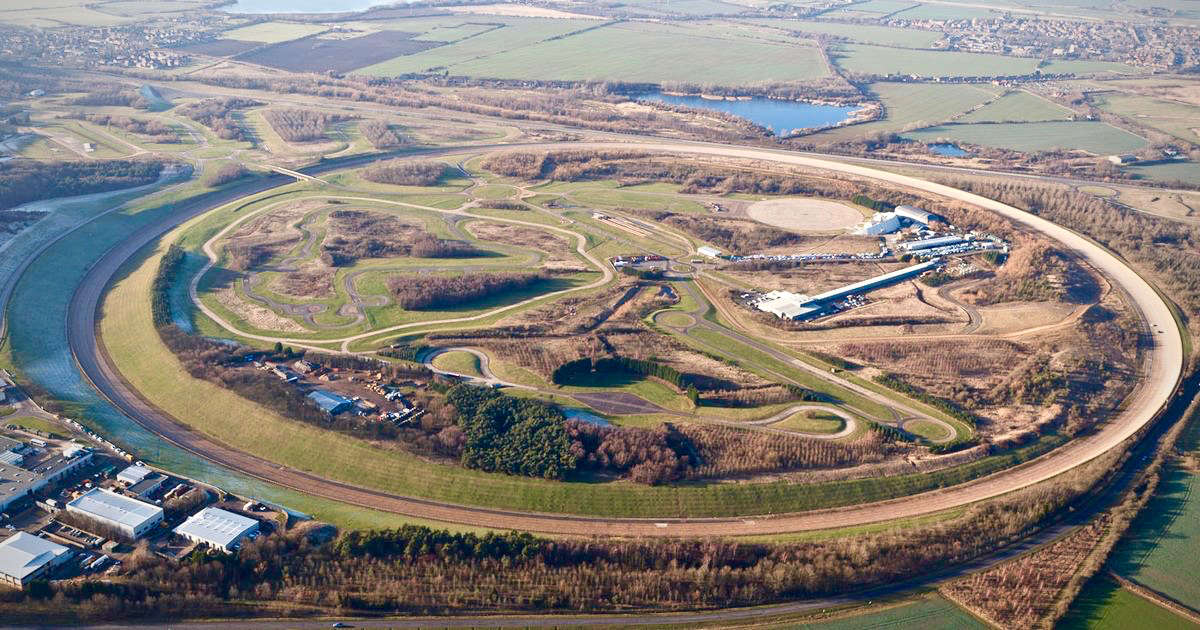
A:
(1160, 379)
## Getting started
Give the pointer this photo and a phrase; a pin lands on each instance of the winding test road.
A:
(1161, 375)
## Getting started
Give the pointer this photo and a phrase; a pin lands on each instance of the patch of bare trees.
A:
(301, 125)
(218, 114)
(154, 130)
(405, 172)
(381, 135)
(429, 291)
(226, 173)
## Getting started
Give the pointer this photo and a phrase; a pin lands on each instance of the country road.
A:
(1163, 370)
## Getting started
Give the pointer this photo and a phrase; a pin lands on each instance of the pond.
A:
(575, 413)
(776, 114)
(949, 150)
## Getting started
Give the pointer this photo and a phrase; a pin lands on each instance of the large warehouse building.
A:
(217, 528)
(788, 305)
(129, 516)
(25, 558)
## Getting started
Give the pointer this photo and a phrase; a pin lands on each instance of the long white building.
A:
(129, 516)
(217, 528)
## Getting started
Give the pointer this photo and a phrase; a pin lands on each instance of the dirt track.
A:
(1165, 361)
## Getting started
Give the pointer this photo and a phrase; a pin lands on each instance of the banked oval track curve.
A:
(1160, 378)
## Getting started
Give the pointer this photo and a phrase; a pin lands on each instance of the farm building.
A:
(133, 475)
(916, 215)
(879, 223)
(930, 243)
(217, 528)
(129, 516)
(330, 402)
(1123, 159)
(25, 558)
(711, 252)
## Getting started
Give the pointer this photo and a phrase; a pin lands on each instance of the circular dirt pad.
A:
(805, 215)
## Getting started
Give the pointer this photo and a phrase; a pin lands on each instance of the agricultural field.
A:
(1017, 106)
(517, 34)
(863, 33)
(316, 54)
(1169, 172)
(1178, 119)
(880, 60)
(1103, 604)
(1159, 550)
(1091, 136)
(930, 612)
(677, 54)
(913, 105)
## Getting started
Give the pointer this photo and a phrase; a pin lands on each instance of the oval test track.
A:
(1164, 358)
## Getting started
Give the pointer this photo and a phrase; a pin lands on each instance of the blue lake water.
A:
(948, 150)
(304, 6)
(575, 413)
(777, 114)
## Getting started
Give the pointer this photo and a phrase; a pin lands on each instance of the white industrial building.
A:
(16, 482)
(930, 243)
(787, 305)
(711, 252)
(915, 214)
(25, 558)
(133, 475)
(129, 516)
(217, 528)
(880, 223)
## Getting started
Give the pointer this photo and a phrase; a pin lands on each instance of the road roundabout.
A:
(1163, 367)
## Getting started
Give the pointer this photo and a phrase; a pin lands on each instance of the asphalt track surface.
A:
(1160, 378)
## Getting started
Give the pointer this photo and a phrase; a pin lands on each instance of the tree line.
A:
(418, 292)
(23, 181)
(417, 570)
(155, 131)
(301, 125)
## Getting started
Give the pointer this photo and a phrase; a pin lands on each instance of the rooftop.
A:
(133, 474)
(23, 553)
(216, 526)
(328, 401)
(114, 507)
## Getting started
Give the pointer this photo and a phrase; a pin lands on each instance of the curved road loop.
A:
(1160, 378)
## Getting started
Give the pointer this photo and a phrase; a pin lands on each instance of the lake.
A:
(948, 150)
(777, 114)
(304, 6)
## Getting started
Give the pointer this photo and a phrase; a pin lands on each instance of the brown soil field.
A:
(256, 315)
(558, 253)
(805, 215)
(516, 10)
(313, 54)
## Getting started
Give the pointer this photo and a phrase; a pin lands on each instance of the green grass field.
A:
(1171, 117)
(910, 105)
(869, 59)
(1092, 136)
(1018, 106)
(651, 52)
(516, 34)
(864, 33)
(1160, 549)
(930, 612)
(1169, 172)
(812, 422)
(34, 424)
(458, 362)
(1103, 604)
